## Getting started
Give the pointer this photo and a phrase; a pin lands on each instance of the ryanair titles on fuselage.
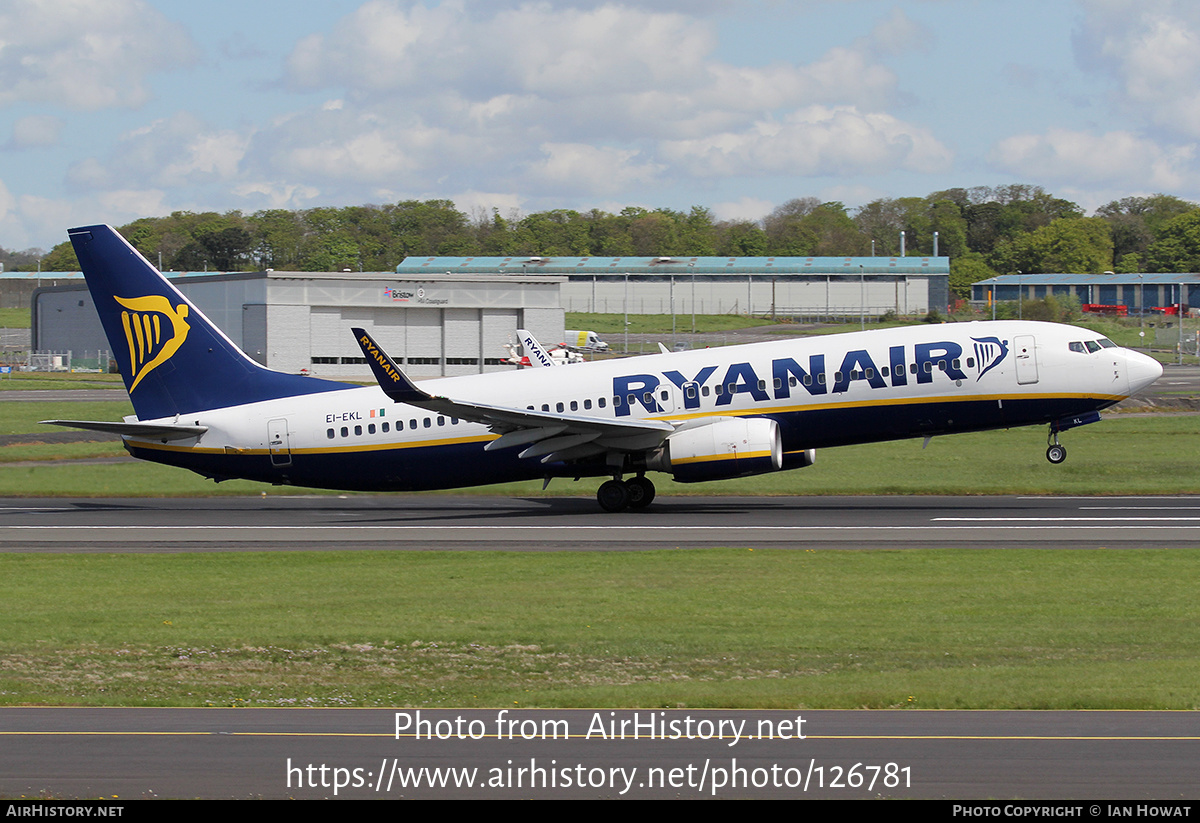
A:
(857, 365)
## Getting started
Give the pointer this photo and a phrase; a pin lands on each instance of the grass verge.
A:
(1124, 454)
(715, 628)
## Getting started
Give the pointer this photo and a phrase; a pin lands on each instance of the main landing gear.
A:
(617, 495)
(1056, 453)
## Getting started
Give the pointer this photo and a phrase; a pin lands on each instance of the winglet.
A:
(395, 383)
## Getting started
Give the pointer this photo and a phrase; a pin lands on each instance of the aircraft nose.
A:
(1142, 370)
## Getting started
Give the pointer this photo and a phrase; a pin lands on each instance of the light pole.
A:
(1142, 309)
(625, 303)
(862, 299)
(692, 269)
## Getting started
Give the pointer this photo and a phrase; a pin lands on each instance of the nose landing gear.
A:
(1056, 453)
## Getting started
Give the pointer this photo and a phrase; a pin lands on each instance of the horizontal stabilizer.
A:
(155, 431)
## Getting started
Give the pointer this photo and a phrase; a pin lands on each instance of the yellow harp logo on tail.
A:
(150, 343)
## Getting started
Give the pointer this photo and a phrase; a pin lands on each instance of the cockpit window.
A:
(1077, 347)
(1092, 345)
(1105, 343)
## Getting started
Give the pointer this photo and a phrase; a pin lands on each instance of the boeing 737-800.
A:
(702, 415)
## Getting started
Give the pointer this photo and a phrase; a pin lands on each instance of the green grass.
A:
(46, 381)
(729, 627)
(1123, 454)
(14, 318)
(18, 417)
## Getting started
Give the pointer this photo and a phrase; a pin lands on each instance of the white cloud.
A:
(815, 141)
(745, 208)
(86, 54)
(277, 194)
(1117, 158)
(1152, 48)
(170, 152)
(36, 131)
(581, 167)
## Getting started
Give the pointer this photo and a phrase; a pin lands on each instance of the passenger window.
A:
(358, 431)
(441, 421)
(807, 380)
(370, 428)
(558, 406)
(574, 405)
(329, 433)
(427, 423)
(412, 424)
(386, 428)
(587, 403)
(345, 432)
(601, 402)
(821, 378)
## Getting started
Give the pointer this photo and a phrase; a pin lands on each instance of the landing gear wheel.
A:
(1056, 454)
(641, 492)
(613, 496)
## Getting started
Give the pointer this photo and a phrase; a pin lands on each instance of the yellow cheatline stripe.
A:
(321, 450)
(712, 458)
(903, 401)
(756, 412)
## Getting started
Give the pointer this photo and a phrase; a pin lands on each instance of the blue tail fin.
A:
(173, 359)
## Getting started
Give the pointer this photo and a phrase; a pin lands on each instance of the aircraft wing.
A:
(155, 431)
(550, 435)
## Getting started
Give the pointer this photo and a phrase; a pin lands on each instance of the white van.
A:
(585, 340)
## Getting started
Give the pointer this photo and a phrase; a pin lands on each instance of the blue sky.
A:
(116, 109)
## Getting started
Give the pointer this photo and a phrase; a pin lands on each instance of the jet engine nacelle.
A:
(728, 447)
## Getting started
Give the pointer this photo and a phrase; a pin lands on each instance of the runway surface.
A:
(308, 753)
(428, 523)
(558, 753)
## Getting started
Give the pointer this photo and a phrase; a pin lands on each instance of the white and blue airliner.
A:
(709, 414)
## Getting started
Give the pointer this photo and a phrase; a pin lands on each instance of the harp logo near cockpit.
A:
(989, 353)
(154, 331)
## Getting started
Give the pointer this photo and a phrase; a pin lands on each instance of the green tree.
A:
(1177, 248)
(966, 271)
(1076, 245)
